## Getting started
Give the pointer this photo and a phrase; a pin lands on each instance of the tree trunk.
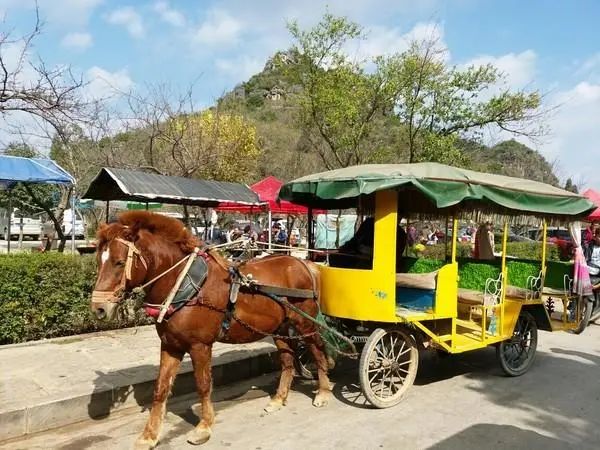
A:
(57, 217)
(60, 213)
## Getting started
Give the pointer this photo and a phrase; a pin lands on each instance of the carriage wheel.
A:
(304, 363)
(388, 366)
(586, 315)
(516, 355)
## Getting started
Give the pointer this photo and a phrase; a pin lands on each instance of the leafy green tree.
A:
(344, 100)
(439, 103)
(340, 101)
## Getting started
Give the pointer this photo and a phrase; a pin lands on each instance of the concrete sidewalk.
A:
(51, 383)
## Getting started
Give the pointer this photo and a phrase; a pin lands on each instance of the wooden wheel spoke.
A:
(408, 350)
(402, 379)
(393, 342)
(379, 352)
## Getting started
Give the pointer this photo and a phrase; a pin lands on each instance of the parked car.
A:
(32, 226)
(67, 224)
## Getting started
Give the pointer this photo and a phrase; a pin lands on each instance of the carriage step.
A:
(468, 324)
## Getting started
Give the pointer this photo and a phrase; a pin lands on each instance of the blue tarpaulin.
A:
(14, 169)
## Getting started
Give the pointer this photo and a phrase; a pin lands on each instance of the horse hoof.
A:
(321, 399)
(273, 406)
(145, 444)
(198, 436)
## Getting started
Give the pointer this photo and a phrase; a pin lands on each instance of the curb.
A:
(104, 401)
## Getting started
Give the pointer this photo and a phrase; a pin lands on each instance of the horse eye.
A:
(120, 263)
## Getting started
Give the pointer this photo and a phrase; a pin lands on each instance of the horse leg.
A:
(286, 357)
(169, 364)
(201, 359)
(317, 349)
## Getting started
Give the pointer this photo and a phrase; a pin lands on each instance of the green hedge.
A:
(47, 295)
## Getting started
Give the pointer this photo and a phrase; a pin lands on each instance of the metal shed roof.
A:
(121, 184)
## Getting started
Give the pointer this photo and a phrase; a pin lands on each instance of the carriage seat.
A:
(474, 298)
(520, 293)
(417, 280)
(470, 297)
(553, 291)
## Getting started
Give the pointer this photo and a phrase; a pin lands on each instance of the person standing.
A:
(588, 235)
(484, 242)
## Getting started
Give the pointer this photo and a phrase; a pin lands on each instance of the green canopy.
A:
(436, 188)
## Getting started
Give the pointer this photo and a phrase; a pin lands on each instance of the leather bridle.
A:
(116, 295)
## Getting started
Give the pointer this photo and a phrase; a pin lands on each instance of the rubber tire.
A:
(363, 368)
(511, 372)
(587, 315)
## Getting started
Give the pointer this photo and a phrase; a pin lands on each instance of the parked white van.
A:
(32, 227)
(68, 224)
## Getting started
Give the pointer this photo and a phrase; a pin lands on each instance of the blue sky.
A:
(551, 46)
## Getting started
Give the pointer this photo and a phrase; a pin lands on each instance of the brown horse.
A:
(142, 246)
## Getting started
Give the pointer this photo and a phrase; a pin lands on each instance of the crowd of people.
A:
(279, 234)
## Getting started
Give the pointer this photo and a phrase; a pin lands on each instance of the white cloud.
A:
(129, 18)
(68, 11)
(386, 41)
(219, 28)
(103, 84)
(590, 69)
(168, 14)
(519, 68)
(241, 68)
(77, 41)
(575, 133)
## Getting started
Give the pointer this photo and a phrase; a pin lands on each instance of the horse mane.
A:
(166, 227)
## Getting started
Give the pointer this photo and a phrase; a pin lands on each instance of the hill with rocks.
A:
(270, 101)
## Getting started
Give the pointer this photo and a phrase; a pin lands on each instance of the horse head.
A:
(133, 250)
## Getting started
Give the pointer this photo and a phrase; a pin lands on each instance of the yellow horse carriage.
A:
(378, 298)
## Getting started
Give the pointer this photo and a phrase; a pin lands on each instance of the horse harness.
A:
(187, 289)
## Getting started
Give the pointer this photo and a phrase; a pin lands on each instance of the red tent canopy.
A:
(593, 196)
(267, 191)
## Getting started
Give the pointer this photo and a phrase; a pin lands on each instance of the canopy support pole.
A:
(270, 232)
(309, 230)
(10, 211)
(107, 208)
(73, 221)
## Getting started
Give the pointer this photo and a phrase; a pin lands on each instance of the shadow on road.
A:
(560, 395)
(135, 386)
(486, 435)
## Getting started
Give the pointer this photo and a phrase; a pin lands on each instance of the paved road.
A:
(459, 402)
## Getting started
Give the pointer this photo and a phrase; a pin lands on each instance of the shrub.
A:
(47, 295)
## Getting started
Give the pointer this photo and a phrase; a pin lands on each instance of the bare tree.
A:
(28, 85)
(50, 97)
